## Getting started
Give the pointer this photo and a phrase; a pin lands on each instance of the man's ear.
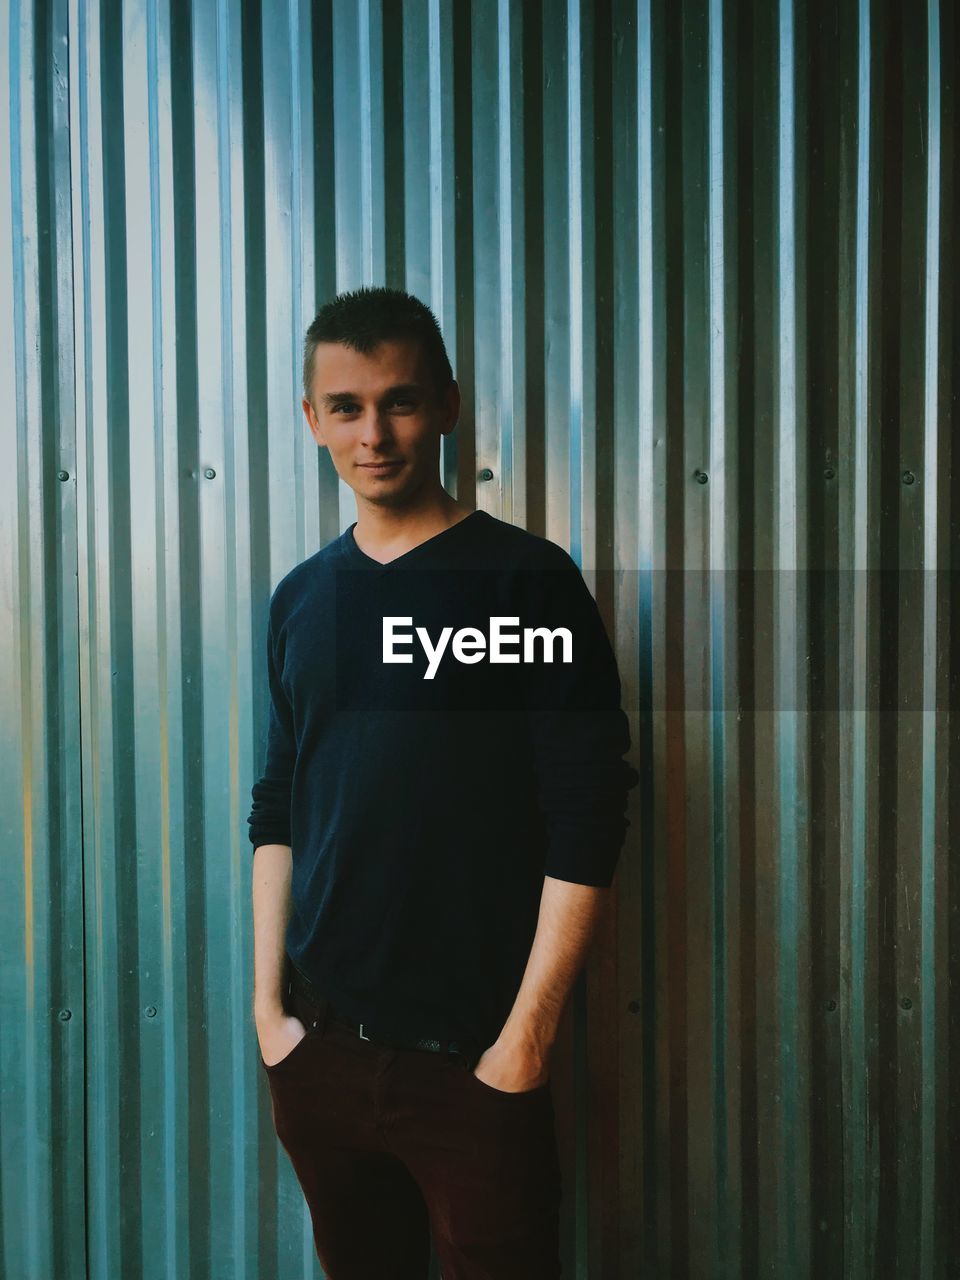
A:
(313, 422)
(451, 406)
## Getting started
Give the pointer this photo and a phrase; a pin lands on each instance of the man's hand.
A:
(512, 1066)
(279, 1033)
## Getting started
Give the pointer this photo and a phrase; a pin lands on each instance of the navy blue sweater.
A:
(424, 799)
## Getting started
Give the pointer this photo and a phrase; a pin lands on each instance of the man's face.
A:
(380, 408)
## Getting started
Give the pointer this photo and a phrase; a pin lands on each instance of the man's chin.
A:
(383, 495)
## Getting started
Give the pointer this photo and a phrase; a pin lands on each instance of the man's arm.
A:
(580, 736)
(569, 915)
(269, 826)
(567, 923)
(279, 1032)
(272, 869)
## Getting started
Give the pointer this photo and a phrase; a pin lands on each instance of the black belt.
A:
(299, 985)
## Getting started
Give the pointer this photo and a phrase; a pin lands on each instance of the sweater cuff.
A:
(582, 859)
(269, 837)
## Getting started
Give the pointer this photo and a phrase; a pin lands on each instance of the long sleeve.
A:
(269, 820)
(580, 735)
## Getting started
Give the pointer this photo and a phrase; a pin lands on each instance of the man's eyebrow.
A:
(334, 397)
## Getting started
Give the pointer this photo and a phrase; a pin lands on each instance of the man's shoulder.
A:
(520, 548)
(304, 576)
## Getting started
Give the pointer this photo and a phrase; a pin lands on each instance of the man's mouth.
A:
(381, 466)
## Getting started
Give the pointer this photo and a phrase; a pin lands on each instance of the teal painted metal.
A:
(694, 269)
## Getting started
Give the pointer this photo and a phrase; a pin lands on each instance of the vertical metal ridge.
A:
(579, 278)
(229, 132)
(208, 588)
(370, 38)
(722, 560)
(486, 286)
(81, 227)
(65, 993)
(645, 553)
(140, 345)
(297, 310)
(859, 1138)
(512, 294)
(96, 577)
(24, 726)
(441, 151)
(933, 684)
(287, 483)
(790, 705)
(173, 964)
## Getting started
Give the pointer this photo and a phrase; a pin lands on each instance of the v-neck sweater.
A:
(424, 812)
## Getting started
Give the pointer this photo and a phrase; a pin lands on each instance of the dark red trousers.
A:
(395, 1146)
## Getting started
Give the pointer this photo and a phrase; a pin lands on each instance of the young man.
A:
(435, 831)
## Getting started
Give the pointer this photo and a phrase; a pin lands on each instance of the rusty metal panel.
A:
(694, 268)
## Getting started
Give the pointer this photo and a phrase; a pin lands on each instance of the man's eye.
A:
(350, 407)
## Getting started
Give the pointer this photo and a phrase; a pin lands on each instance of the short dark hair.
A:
(368, 316)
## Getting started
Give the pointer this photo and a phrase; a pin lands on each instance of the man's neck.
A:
(386, 532)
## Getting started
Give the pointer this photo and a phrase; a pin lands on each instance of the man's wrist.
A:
(527, 1037)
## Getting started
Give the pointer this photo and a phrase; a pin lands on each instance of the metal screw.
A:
(485, 474)
(906, 1003)
(151, 1011)
(63, 475)
(209, 473)
(908, 477)
(701, 477)
(831, 1006)
(65, 1015)
(829, 473)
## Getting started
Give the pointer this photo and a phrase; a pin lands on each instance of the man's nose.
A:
(374, 429)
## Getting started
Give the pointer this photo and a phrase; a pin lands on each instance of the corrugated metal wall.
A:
(694, 267)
